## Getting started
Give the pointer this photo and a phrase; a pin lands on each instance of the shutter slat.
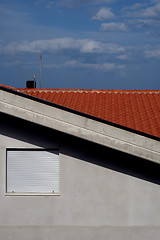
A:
(32, 171)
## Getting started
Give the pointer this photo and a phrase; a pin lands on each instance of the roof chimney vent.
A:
(31, 84)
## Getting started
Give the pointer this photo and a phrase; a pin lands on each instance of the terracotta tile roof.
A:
(2, 85)
(135, 109)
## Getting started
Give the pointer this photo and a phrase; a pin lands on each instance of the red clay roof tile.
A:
(135, 109)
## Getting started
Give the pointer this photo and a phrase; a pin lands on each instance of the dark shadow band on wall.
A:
(81, 149)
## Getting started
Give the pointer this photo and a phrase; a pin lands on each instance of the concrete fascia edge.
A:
(79, 126)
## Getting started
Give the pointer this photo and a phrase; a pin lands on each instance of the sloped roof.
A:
(135, 109)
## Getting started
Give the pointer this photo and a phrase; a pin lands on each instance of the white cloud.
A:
(122, 57)
(103, 14)
(147, 23)
(153, 53)
(39, 2)
(81, 3)
(61, 45)
(135, 6)
(141, 11)
(151, 11)
(11, 64)
(94, 66)
(51, 65)
(145, 16)
(110, 27)
(84, 65)
(130, 9)
(91, 46)
(155, 1)
(50, 4)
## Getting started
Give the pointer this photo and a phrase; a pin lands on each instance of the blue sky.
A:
(91, 44)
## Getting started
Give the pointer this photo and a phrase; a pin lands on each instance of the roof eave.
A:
(19, 93)
(79, 125)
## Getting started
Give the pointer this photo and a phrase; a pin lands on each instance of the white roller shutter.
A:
(32, 171)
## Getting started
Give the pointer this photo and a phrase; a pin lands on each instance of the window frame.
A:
(31, 193)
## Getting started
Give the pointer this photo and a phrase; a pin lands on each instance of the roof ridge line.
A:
(90, 91)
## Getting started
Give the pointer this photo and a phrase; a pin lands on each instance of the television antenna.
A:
(34, 77)
(40, 68)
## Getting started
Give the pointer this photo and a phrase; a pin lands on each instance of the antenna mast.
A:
(40, 68)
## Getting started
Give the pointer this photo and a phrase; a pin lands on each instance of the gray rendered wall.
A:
(104, 194)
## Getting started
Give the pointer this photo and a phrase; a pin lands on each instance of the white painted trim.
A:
(79, 126)
(32, 194)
